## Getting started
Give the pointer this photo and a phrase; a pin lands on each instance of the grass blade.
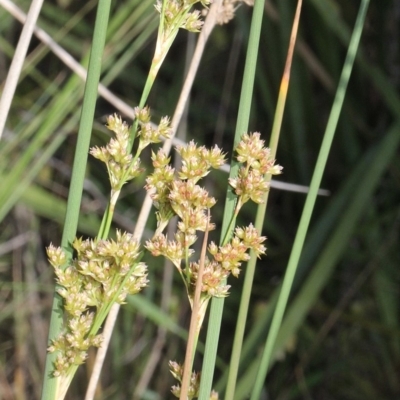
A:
(217, 305)
(310, 201)
(78, 173)
(261, 209)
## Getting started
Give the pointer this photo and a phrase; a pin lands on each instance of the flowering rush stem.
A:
(195, 324)
(104, 271)
(173, 16)
(177, 192)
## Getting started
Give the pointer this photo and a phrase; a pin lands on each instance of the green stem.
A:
(229, 231)
(102, 313)
(162, 48)
(310, 201)
(217, 304)
(106, 221)
(261, 211)
(103, 231)
(50, 384)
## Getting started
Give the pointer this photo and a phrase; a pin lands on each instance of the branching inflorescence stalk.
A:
(105, 271)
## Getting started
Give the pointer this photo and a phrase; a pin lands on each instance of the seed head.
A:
(226, 11)
(197, 161)
(251, 239)
(104, 271)
(177, 15)
(173, 250)
(213, 277)
(116, 155)
(231, 255)
(251, 182)
(148, 132)
(193, 22)
(249, 185)
(142, 114)
(57, 256)
(194, 385)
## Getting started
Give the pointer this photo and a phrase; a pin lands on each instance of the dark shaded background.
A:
(347, 345)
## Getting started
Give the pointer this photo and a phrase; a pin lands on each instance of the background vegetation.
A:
(340, 338)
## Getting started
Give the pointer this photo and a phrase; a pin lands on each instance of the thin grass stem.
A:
(310, 201)
(18, 62)
(261, 210)
(78, 173)
(217, 304)
(147, 203)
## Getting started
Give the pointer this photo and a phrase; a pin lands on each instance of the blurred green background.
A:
(341, 337)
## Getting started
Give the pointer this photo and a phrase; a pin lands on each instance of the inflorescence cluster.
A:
(121, 165)
(177, 15)
(178, 193)
(194, 385)
(105, 271)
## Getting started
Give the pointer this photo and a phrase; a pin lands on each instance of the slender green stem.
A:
(103, 231)
(78, 173)
(229, 230)
(217, 304)
(109, 212)
(163, 45)
(310, 201)
(261, 210)
(106, 221)
(102, 313)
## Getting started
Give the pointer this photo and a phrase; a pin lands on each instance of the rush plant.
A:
(110, 267)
